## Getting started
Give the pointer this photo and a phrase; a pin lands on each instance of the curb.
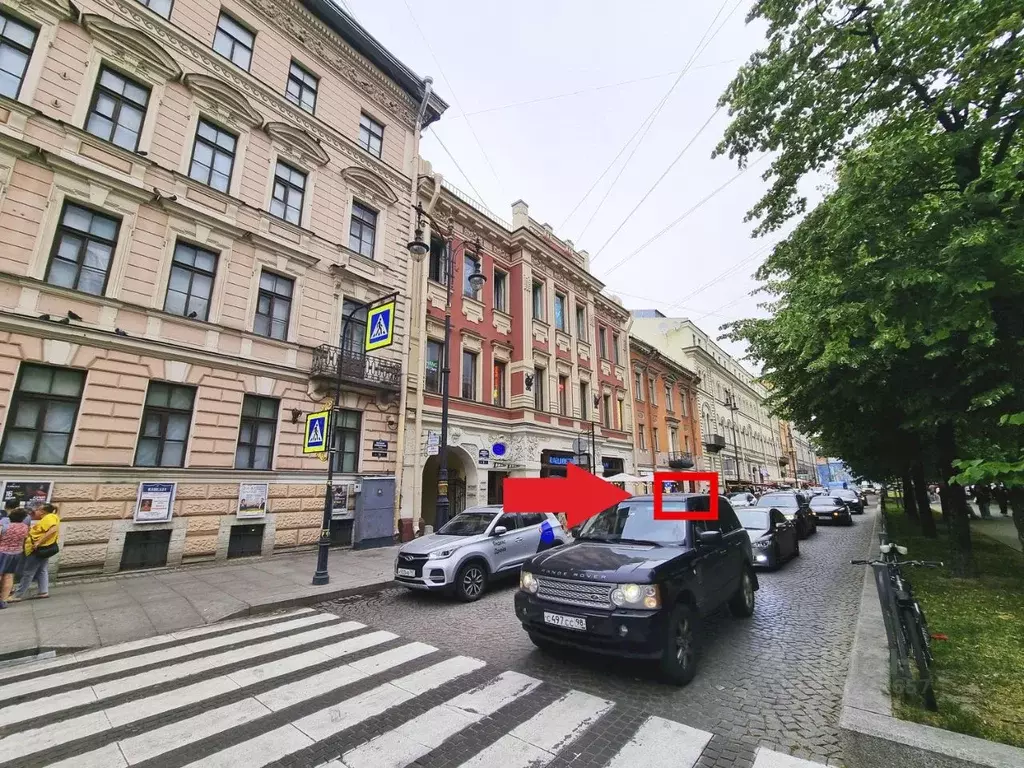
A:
(871, 736)
(304, 601)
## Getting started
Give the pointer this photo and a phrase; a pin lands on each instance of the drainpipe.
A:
(414, 306)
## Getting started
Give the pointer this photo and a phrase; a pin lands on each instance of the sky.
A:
(545, 94)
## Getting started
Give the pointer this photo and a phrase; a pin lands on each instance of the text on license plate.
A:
(566, 622)
(406, 572)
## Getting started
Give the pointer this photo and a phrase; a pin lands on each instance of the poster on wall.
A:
(252, 500)
(155, 503)
(27, 491)
(339, 505)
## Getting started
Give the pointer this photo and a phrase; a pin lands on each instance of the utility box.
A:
(374, 524)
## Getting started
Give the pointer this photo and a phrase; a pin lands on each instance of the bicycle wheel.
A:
(908, 618)
(926, 635)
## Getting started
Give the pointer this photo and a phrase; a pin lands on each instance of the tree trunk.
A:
(1017, 508)
(959, 518)
(909, 507)
(924, 505)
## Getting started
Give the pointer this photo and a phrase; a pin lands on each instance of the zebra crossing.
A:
(303, 688)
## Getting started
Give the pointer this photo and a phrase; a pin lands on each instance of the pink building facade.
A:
(191, 195)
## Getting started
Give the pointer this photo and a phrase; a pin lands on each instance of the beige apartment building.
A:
(192, 195)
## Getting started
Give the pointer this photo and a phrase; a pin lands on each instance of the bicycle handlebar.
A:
(911, 563)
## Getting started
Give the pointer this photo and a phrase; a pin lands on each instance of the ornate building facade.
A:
(192, 195)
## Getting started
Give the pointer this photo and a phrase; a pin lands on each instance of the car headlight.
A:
(762, 543)
(441, 554)
(528, 582)
(636, 596)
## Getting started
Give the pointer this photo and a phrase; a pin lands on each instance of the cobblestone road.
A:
(776, 680)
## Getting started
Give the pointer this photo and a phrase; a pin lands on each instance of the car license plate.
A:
(406, 572)
(566, 622)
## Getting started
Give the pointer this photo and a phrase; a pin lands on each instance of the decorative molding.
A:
(298, 142)
(44, 10)
(223, 99)
(368, 181)
(134, 47)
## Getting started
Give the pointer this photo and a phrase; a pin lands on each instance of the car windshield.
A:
(779, 500)
(739, 496)
(826, 501)
(753, 519)
(467, 524)
(633, 522)
(845, 493)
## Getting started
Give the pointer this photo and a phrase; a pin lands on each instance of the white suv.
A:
(474, 547)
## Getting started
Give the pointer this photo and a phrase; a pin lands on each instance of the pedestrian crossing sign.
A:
(315, 440)
(380, 326)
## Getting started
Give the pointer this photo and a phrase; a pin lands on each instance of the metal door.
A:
(374, 524)
(456, 496)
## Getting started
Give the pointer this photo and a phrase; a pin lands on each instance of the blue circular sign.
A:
(498, 449)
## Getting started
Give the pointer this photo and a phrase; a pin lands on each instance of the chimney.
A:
(548, 228)
(520, 215)
(586, 260)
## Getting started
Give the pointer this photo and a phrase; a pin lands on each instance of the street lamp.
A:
(418, 249)
(730, 403)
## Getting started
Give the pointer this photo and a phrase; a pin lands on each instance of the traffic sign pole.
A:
(374, 310)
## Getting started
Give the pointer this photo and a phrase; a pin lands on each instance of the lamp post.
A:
(419, 248)
(730, 403)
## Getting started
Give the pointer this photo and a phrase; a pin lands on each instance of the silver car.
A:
(474, 547)
(743, 499)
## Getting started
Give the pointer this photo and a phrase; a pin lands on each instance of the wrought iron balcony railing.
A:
(678, 460)
(356, 367)
(714, 443)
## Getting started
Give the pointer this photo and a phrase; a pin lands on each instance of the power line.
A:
(685, 215)
(648, 121)
(466, 177)
(724, 274)
(455, 98)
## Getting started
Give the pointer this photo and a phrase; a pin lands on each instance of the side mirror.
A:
(575, 531)
(499, 530)
(709, 537)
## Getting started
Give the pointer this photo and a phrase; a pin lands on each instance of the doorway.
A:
(496, 487)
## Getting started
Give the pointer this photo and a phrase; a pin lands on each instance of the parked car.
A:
(818, 490)
(795, 506)
(831, 509)
(633, 587)
(473, 548)
(743, 499)
(773, 538)
(851, 498)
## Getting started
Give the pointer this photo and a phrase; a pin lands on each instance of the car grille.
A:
(582, 593)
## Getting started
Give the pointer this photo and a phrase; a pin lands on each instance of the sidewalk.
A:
(105, 610)
(999, 527)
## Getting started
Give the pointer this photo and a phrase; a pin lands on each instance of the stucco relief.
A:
(135, 47)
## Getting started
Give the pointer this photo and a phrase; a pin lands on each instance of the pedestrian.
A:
(41, 544)
(983, 495)
(1002, 495)
(12, 549)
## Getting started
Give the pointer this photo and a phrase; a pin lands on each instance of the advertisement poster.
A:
(252, 500)
(339, 506)
(156, 502)
(27, 491)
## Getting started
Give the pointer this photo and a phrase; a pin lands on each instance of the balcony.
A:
(356, 368)
(783, 461)
(678, 460)
(714, 443)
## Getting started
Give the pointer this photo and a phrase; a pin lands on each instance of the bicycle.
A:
(906, 624)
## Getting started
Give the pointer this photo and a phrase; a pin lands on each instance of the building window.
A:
(302, 87)
(563, 395)
(469, 375)
(538, 389)
(233, 41)
(638, 386)
(641, 439)
(273, 306)
(42, 416)
(673, 439)
(118, 109)
(346, 441)
(500, 290)
(371, 135)
(655, 445)
(470, 266)
(668, 397)
(686, 443)
(622, 414)
(538, 300)
(654, 391)
(432, 373)
(82, 250)
(256, 433)
(584, 405)
(362, 230)
(602, 339)
(606, 411)
(353, 338)
(289, 189)
(165, 424)
(498, 385)
(682, 401)
(159, 7)
(581, 322)
(213, 156)
(438, 260)
(615, 347)
(560, 312)
(191, 285)
(16, 42)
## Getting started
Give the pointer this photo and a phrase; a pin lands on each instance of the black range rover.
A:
(632, 586)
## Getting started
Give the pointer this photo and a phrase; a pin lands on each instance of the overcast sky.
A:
(594, 70)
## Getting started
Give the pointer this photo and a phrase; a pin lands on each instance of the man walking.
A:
(1002, 496)
(983, 495)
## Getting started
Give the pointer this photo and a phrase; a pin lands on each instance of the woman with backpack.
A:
(40, 545)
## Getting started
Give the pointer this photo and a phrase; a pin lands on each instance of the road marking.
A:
(660, 743)
(261, 750)
(766, 758)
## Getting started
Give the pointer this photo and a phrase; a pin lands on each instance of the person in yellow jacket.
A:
(40, 545)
